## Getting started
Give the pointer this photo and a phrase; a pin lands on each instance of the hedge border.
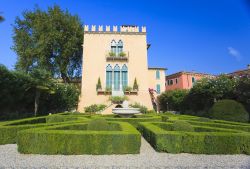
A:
(227, 142)
(51, 140)
(9, 129)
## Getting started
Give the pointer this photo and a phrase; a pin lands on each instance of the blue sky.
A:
(211, 36)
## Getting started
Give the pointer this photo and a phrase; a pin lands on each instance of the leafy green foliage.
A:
(98, 125)
(206, 91)
(172, 100)
(127, 89)
(143, 109)
(94, 108)
(182, 126)
(118, 99)
(229, 110)
(242, 92)
(19, 92)
(51, 40)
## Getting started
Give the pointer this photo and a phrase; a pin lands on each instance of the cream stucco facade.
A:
(117, 57)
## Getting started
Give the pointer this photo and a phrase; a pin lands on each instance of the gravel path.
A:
(148, 158)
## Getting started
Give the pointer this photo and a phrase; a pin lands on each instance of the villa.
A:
(117, 58)
(184, 80)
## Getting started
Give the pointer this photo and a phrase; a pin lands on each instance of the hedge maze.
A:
(74, 133)
(209, 137)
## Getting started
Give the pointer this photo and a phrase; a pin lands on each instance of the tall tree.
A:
(50, 40)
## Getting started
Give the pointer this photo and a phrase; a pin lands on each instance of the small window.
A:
(157, 74)
(158, 88)
(176, 81)
(193, 80)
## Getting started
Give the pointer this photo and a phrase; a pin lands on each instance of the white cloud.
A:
(235, 53)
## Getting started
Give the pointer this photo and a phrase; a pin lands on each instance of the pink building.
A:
(184, 80)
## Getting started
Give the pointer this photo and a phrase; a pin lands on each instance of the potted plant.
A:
(108, 90)
(122, 54)
(135, 86)
(99, 85)
(127, 89)
(112, 54)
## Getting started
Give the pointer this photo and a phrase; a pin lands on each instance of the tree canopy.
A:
(50, 40)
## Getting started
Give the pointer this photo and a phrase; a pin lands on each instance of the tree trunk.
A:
(37, 101)
(65, 77)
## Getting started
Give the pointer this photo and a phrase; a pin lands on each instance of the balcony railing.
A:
(122, 56)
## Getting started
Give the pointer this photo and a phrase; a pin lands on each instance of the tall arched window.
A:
(113, 46)
(117, 77)
(124, 76)
(157, 74)
(119, 47)
(109, 76)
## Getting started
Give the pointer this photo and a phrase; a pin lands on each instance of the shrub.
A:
(75, 139)
(135, 119)
(151, 112)
(99, 84)
(63, 118)
(118, 99)
(94, 108)
(206, 140)
(18, 90)
(143, 109)
(172, 100)
(98, 125)
(135, 85)
(229, 110)
(204, 119)
(127, 89)
(182, 126)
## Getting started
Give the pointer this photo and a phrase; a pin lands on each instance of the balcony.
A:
(123, 56)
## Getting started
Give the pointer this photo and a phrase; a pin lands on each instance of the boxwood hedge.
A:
(205, 139)
(134, 120)
(9, 129)
(122, 138)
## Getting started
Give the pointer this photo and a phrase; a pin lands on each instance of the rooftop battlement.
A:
(115, 28)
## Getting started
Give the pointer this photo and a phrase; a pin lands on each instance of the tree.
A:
(208, 91)
(172, 100)
(242, 92)
(42, 83)
(50, 40)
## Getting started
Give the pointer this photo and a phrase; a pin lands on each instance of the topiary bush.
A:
(229, 110)
(182, 126)
(98, 125)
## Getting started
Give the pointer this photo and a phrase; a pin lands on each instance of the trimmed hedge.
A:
(65, 117)
(229, 110)
(205, 140)
(9, 129)
(134, 120)
(125, 139)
